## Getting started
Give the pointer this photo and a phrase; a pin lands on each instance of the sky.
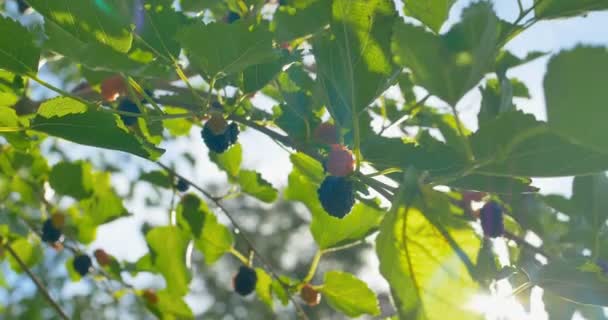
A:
(263, 155)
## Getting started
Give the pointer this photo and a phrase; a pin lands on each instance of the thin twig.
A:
(526, 244)
(242, 233)
(38, 283)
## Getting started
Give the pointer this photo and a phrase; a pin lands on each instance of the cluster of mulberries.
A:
(337, 192)
(218, 134)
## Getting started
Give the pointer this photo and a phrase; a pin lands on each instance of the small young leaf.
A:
(254, 185)
(168, 245)
(347, 294)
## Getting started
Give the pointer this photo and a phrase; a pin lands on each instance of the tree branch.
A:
(38, 283)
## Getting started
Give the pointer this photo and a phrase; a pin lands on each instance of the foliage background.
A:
(213, 284)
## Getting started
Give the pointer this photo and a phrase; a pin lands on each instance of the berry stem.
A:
(38, 283)
(313, 266)
(239, 256)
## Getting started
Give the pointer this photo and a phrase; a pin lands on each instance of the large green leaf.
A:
(552, 9)
(210, 237)
(235, 46)
(516, 144)
(349, 295)
(97, 56)
(353, 64)
(577, 100)
(328, 231)
(431, 13)
(301, 18)
(72, 120)
(574, 284)
(106, 22)
(451, 64)
(437, 158)
(72, 179)
(428, 276)
(17, 50)
(168, 246)
(159, 27)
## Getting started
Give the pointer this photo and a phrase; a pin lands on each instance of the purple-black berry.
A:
(492, 220)
(245, 280)
(219, 141)
(82, 263)
(337, 196)
(50, 233)
(128, 106)
(182, 185)
(232, 17)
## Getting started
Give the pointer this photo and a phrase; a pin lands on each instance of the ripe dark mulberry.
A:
(182, 185)
(492, 220)
(218, 137)
(245, 280)
(82, 263)
(128, 106)
(22, 6)
(337, 196)
(50, 233)
(232, 17)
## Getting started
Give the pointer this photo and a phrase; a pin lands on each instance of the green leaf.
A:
(301, 19)
(18, 54)
(157, 178)
(190, 215)
(160, 25)
(349, 295)
(168, 246)
(28, 252)
(9, 119)
(516, 144)
(498, 185)
(329, 231)
(102, 207)
(171, 306)
(72, 179)
(553, 9)
(576, 97)
(176, 127)
(11, 88)
(354, 65)
(96, 56)
(258, 76)
(573, 284)
(428, 276)
(254, 185)
(263, 287)
(246, 46)
(210, 237)
(451, 64)
(429, 154)
(72, 120)
(431, 13)
(106, 22)
(229, 161)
